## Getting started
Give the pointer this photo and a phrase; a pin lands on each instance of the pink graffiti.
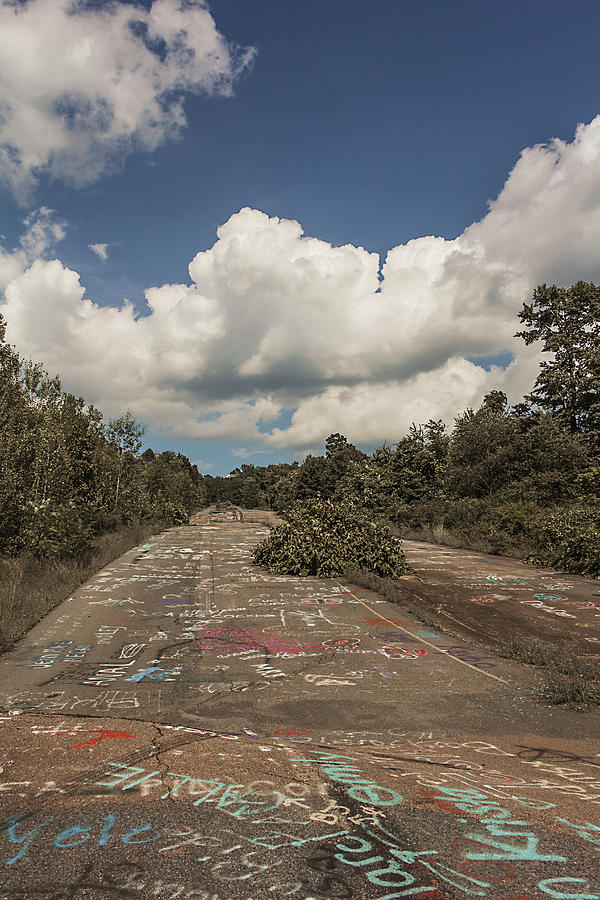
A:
(223, 639)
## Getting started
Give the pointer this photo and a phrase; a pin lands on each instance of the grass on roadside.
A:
(389, 589)
(468, 540)
(448, 537)
(30, 587)
(568, 678)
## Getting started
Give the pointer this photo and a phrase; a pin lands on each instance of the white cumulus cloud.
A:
(82, 85)
(274, 324)
(101, 250)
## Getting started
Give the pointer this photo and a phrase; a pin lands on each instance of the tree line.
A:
(521, 480)
(68, 476)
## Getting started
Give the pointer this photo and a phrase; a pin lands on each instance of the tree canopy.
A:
(567, 322)
(67, 476)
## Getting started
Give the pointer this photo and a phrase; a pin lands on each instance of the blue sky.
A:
(371, 125)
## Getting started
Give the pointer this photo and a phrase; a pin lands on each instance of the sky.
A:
(258, 222)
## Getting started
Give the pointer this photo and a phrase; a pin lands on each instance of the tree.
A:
(483, 457)
(567, 320)
(419, 462)
(125, 435)
(336, 443)
(499, 453)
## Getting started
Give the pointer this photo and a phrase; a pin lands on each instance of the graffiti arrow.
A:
(102, 736)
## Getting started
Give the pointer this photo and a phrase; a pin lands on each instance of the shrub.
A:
(510, 526)
(174, 514)
(570, 541)
(58, 530)
(224, 504)
(324, 539)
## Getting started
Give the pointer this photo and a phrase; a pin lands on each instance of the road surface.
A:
(187, 726)
(494, 599)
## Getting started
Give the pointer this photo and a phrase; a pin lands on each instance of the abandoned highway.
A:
(189, 726)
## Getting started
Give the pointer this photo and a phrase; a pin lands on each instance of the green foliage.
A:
(524, 481)
(567, 321)
(504, 480)
(253, 487)
(508, 527)
(56, 530)
(496, 450)
(570, 540)
(66, 476)
(323, 538)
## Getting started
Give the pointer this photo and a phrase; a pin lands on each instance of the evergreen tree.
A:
(567, 321)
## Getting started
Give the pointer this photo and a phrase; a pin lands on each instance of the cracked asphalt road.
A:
(188, 726)
(494, 598)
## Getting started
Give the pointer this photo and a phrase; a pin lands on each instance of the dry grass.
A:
(30, 587)
(568, 678)
(449, 538)
(390, 590)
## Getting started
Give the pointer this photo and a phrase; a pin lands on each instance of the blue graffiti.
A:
(75, 835)
(155, 673)
(479, 805)
(545, 886)
(364, 790)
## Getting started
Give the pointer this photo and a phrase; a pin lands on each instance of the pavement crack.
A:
(157, 752)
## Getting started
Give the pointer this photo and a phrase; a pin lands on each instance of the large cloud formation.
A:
(82, 85)
(274, 321)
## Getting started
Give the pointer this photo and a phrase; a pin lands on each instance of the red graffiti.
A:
(402, 653)
(349, 643)
(102, 736)
(443, 804)
(222, 639)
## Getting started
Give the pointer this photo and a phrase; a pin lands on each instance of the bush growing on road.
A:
(325, 539)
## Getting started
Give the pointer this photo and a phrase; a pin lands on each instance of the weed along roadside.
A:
(189, 724)
(558, 636)
(30, 587)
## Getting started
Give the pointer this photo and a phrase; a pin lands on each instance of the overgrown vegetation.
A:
(74, 491)
(30, 587)
(392, 591)
(523, 481)
(567, 677)
(67, 476)
(324, 539)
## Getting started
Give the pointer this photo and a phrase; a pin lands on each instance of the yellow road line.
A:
(423, 641)
(441, 612)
